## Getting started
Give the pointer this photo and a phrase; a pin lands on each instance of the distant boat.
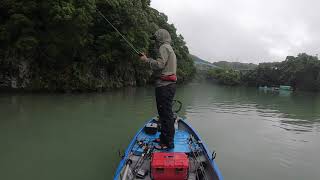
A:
(286, 88)
(189, 159)
(281, 88)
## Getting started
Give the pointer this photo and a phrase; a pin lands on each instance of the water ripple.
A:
(284, 121)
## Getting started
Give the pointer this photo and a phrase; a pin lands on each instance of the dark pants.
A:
(164, 98)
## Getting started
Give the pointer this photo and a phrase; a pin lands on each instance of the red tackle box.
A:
(169, 166)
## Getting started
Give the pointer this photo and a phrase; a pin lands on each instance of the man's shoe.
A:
(157, 140)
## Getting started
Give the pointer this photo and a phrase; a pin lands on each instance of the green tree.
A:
(66, 45)
(224, 76)
(301, 72)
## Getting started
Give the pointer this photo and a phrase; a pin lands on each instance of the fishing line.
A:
(123, 37)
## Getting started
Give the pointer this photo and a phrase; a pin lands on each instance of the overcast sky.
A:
(246, 30)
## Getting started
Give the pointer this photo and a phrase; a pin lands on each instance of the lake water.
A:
(256, 134)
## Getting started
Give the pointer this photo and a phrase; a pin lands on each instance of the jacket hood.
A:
(163, 36)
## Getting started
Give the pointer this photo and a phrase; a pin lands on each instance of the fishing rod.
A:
(123, 37)
(196, 154)
(148, 149)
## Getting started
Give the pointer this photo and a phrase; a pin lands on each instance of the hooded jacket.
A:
(166, 61)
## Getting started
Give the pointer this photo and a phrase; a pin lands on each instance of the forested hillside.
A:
(202, 65)
(235, 65)
(64, 45)
(301, 72)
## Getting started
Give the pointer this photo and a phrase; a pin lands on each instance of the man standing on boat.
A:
(166, 66)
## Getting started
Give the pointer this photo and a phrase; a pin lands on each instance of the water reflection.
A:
(255, 133)
(294, 111)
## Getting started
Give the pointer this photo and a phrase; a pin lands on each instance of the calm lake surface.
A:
(257, 135)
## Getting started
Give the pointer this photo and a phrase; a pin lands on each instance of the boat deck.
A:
(185, 141)
(181, 142)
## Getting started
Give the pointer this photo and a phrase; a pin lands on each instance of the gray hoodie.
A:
(166, 62)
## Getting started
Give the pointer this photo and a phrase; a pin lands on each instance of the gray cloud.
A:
(246, 30)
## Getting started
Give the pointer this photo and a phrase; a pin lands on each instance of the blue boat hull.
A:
(184, 132)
